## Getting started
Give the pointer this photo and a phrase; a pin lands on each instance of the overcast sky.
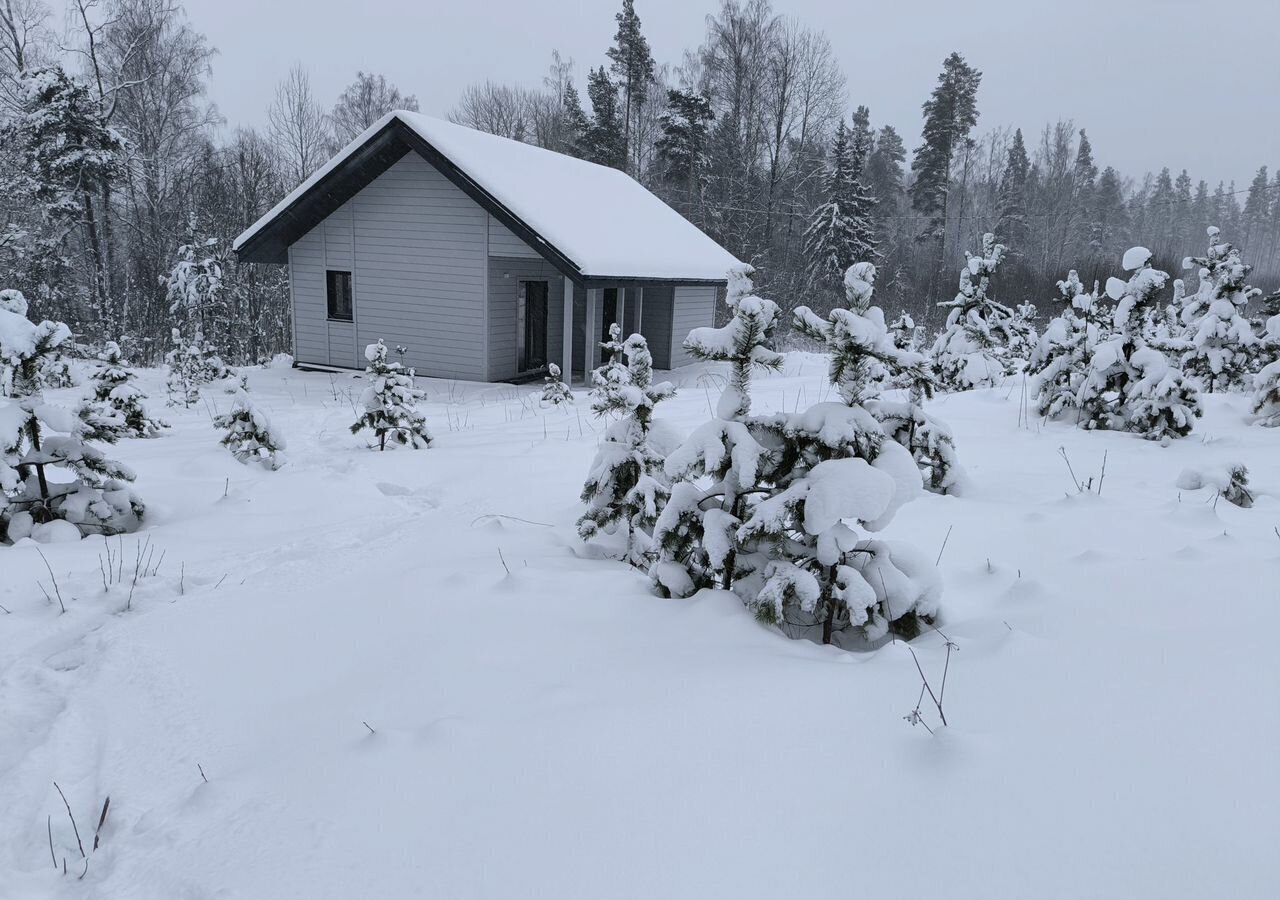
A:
(1183, 83)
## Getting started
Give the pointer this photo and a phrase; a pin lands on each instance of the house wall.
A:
(693, 306)
(505, 273)
(434, 272)
(417, 249)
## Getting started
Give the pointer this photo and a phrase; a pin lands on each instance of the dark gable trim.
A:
(385, 148)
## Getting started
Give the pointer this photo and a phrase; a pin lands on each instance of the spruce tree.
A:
(632, 64)
(1011, 211)
(191, 365)
(39, 438)
(950, 114)
(250, 436)
(683, 148)
(1130, 385)
(554, 390)
(973, 349)
(603, 141)
(626, 485)
(1060, 363)
(696, 533)
(1222, 342)
(389, 403)
(117, 398)
(839, 232)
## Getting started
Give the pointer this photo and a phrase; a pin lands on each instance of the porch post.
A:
(640, 311)
(566, 337)
(621, 312)
(593, 332)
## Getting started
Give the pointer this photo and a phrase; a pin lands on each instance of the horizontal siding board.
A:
(504, 243)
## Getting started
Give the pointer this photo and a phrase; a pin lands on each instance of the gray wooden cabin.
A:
(485, 257)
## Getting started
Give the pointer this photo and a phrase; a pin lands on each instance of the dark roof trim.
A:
(271, 243)
(591, 283)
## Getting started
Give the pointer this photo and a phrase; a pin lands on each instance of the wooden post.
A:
(566, 337)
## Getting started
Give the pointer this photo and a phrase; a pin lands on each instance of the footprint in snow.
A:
(423, 497)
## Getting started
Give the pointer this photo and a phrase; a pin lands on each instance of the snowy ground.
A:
(556, 731)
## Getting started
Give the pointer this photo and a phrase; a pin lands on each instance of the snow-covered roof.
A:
(601, 219)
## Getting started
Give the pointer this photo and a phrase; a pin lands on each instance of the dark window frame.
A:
(333, 302)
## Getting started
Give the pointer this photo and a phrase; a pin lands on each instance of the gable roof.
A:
(590, 221)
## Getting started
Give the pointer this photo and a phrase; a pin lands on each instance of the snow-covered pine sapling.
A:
(389, 403)
(905, 333)
(1222, 343)
(194, 285)
(250, 436)
(929, 441)
(1131, 385)
(696, 534)
(973, 350)
(1266, 384)
(37, 436)
(191, 365)
(1060, 362)
(833, 477)
(1022, 336)
(554, 390)
(117, 399)
(626, 485)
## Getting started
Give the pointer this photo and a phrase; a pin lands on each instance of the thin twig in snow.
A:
(52, 578)
(73, 819)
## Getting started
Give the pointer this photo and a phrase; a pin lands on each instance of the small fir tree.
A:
(696, 534)
(1266, 384)
(1060, 363)
(1222, 343)
(929, 441)
(905, 333)
(191, 365)
(626, 485)
(554, 390)
(250, 436)
(1131, 385)
(389, 403)
(117, 397)
(832, 478)
(40, 440)
(972, 351)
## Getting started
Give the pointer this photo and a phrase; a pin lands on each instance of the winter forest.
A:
(113, 161)
(949, 520)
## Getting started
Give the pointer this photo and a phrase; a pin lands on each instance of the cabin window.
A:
(339, 290)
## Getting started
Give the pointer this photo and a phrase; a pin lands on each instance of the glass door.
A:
(531, 326)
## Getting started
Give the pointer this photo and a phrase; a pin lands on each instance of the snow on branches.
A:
(973, 350)
(626, 485)
(40, 440)
(1222, 343)
(1130, 384)
(250, 436)
(554, 390)
(117, 400)
(389, 403)
(1060, 363)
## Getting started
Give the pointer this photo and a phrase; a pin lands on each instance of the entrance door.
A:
(531, 326)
